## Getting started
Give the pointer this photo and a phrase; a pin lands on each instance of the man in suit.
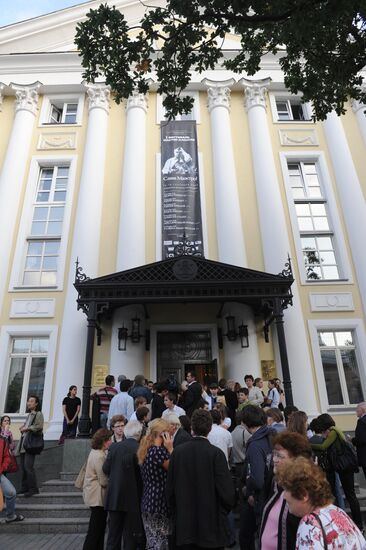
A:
(157, 403)
(200, 490)
(231, 400)
(193, 394)
(176, 431)
(359, 441)
(124, 491)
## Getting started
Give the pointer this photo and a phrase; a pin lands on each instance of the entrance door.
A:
(178, 352)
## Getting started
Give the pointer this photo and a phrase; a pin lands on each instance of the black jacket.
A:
(232, 404)
(125, 484)
(360, 440)
(200, 492)
(157, 406)
(192, 397)
(180, 437)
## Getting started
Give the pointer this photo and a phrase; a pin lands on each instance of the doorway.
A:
(179, 352)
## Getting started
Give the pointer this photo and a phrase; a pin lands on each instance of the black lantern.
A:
(232, 334)
(122, 338)
(135, 332)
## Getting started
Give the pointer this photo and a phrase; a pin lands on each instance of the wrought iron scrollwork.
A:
(287, 271)
(185, 247)
(80, 276)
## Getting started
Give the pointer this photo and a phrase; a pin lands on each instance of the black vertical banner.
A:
(180, 186)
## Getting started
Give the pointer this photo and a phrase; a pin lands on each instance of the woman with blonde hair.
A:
(153, 456)
(309, 497)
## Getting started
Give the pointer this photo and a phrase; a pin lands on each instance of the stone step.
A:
(54, 497)
(59, 486)
(68, 476)
(53, 510)
(46, 525)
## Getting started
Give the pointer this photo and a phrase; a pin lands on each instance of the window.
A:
(340, 367)
(63, 113)
(27, 370)
(62, 109)
(44, 239)
(193, 115)
(286, 108)
(313, 221)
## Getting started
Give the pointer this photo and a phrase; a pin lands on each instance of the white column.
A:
(85, 246)
(275, 240)
(229, 230)
(2, 86)
(131, 233)
(13, 171)
(360, 111)
(351, 196)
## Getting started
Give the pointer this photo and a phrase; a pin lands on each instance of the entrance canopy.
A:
(185, 279)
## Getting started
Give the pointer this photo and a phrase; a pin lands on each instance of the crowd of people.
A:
(173, 467)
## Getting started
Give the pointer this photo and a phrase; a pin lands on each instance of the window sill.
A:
(327, 281)
(292, 122)
(36, 288)
(59, 125)
(339, 409)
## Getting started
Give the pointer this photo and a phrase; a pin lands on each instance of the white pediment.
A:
(54, 32)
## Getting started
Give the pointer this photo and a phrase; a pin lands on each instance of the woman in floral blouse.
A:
(323, 525)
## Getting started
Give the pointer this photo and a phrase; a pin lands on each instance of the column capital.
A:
(218, 93)
(26, 97)
(255, 92)
(136, 99)
(2, 86)
(99, 96)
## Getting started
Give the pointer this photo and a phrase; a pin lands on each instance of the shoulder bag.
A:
(33, 442)
(342, 456)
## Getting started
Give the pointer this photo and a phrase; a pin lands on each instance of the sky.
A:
(17, 10)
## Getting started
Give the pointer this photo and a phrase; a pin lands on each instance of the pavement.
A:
(41, 542)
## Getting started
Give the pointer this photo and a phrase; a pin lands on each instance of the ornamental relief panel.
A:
(57, 140)
(340, 301)
(294, 137)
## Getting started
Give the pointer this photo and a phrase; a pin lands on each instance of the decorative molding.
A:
(357, 105)
(298, 138)
(99, 96)
(137, 100)
(218, 93)
(255, 92)
(2, 86)
(340, 301)
(32, 308)
(57, 140)
(26, 97)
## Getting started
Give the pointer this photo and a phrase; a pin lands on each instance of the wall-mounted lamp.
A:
(232, 334)
(135, 335)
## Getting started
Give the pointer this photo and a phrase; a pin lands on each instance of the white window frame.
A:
(158, 225)
(339, 241)
(46, 108)
(160, 111)
(286, 96)
(358, 330)
(26, 220)
(7, 333)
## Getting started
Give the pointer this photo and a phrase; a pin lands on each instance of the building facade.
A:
(84, 178)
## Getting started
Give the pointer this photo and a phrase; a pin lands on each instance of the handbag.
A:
(33, 442)
(13, 466)
(342, 457)
(79, 481)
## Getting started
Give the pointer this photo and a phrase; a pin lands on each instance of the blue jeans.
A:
(10, 494)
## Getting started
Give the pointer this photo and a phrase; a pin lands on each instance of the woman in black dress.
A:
(70, 408)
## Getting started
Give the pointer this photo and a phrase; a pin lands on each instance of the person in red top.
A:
(7, 487)
(105, 395)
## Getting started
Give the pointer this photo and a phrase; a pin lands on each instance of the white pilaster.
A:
(351, 196)
(131, 233)
(85, 246)
(230, 238)
(275, 240)
(360, 111)
(2, 86)
(13, 170)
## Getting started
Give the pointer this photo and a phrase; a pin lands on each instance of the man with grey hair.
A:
(119, 380)
(359, 441)
(124, 491)
(176, 431)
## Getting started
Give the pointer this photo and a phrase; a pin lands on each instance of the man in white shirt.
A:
(218, 436)
(170, 401)
(255, 394)
(122, 403)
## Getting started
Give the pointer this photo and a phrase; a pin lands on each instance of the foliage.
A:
(320, 46)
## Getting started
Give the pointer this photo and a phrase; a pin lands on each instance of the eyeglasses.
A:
(279, 456)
